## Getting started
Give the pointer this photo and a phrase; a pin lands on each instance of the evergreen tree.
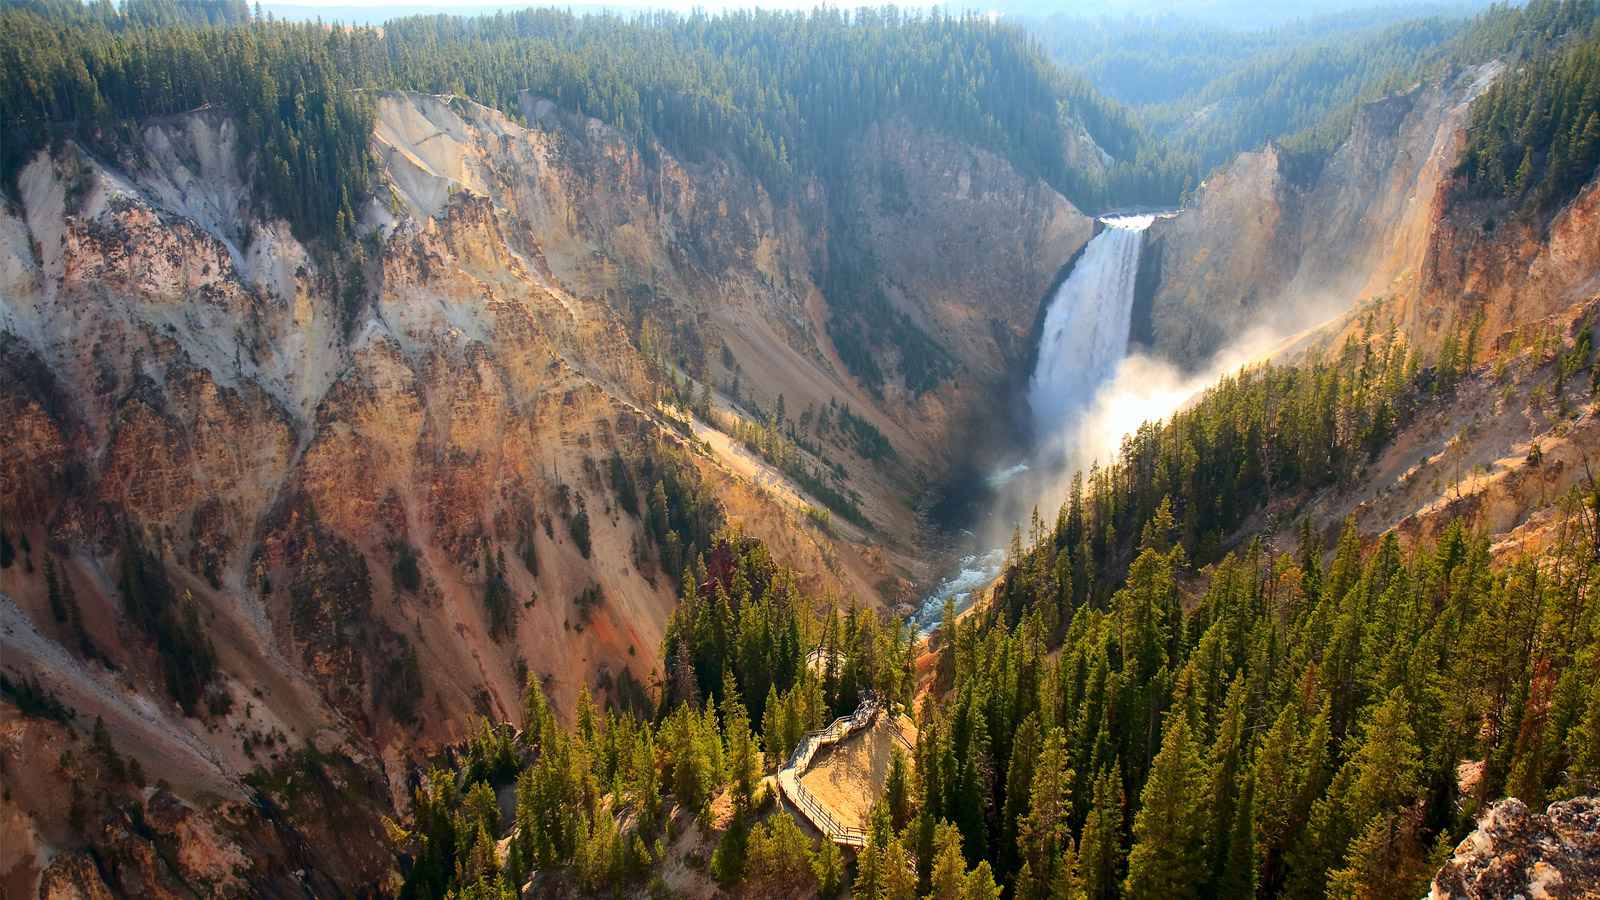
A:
(899, 875)
(778, 859)
(692, 769)
(1168, 858)
(1101, 843)
(1044, 837)
(1387, 861)
(897, 790)
(949, 866)
(873, 863)
(743, 752)
(828, 867)
(980, 884)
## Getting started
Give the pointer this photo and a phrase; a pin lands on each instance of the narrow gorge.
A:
(1083, 339)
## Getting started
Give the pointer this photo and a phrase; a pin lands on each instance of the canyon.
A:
(333, 462)
(335, 459)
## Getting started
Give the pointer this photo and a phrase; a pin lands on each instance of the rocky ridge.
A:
(1264, 246)
(1516, 852)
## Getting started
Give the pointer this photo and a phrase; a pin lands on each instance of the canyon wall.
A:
(1265, 244)
(1380, 236)
(360, 476)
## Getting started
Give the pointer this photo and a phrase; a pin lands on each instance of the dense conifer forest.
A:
(737, 693)
(1274, 723)
(1210, 92)
(782, 92)
(1153, 704)
(1534, 140)
(1154, 701)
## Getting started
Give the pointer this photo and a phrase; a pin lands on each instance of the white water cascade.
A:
(1086, 327)
(1085, 336)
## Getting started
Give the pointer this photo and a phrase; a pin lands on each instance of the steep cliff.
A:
(1265, 245)
(288, 520)
(1380, 237)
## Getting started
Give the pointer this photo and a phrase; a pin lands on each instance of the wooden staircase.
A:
(799, 761)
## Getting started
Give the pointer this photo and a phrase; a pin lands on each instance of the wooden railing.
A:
(800, 761)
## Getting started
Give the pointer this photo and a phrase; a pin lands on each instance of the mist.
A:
(1142, 388)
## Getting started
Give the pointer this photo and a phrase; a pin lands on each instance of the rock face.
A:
(1269, 259)
(1377, 228)
(331, 457)
(1510, 272)
(1262, 245)
(1518, 853)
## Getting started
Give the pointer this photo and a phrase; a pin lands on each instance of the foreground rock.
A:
(1516, 853)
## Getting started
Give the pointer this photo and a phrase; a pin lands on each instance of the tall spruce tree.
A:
(1168, 858)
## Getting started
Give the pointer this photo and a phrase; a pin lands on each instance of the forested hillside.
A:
(737, 694)
(1298, 729)
(1140, 712)
(465, 458)
(782, 91)
(1213, 92)
(1534, 140)
(1249, 721)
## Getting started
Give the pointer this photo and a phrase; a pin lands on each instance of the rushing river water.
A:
(976, 571)
(1085, 336)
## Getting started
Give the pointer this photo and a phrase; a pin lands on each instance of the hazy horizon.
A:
(1237, 14)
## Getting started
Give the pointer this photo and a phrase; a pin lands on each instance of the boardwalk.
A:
(800, 760)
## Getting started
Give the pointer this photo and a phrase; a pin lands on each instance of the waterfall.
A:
(1086, 327)
(1085, 337)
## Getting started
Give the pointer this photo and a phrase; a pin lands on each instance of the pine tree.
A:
(1227, 759)
(646, 788)
(585, 718)
(1068, 884)
(1168, 858)
(599, 857)
(778, 859)
(1380, 779)
(774, 727)
(538, 722)
(1019, 787)
(949, 874)
(871, 864)
(692, 770)
(480, 861)
(1043, 837)
(899, 875)
(897, 790)
(743, 753)
(828, 867)
(728, 859)
(1584, 745)
(1100, 850)
(966, 775)
(1388, 765)
(1386, 861)
(58, 608)
(980, 884)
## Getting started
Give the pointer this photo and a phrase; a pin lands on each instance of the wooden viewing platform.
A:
(799, 761)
